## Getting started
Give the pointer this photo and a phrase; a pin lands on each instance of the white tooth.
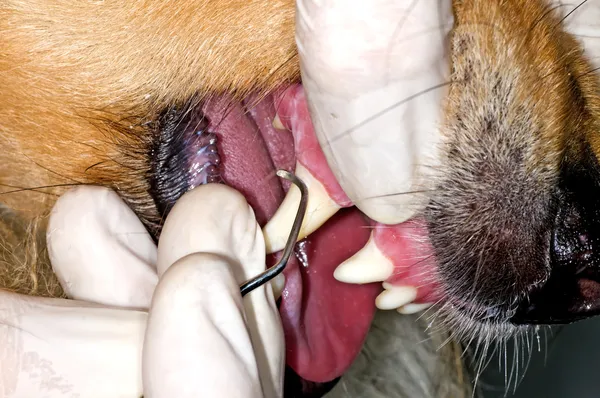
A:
(395, 296)
(277, 123)
(366, 266)
(278, 284)
(373, 113)
(413, 308)
(319, 209)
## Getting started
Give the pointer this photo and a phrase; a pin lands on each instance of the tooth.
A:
(366, 266)
(277, 123)
(319, 209)
(376, 112)
(413, 308)
(395, 296)
(278, 284)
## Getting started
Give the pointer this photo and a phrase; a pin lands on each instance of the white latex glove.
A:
(375, 74)
(195, 336)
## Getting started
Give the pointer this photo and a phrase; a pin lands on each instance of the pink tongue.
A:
(325, 321)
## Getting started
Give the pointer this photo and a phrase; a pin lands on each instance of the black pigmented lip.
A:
(184, 155)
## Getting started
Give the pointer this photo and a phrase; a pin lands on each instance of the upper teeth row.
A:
(368, 265)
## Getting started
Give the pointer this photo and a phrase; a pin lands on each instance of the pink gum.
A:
(407, 246)
(293, 112)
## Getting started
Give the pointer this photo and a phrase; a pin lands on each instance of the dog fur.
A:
(83, 85)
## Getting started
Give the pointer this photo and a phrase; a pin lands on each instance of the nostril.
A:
(572, 291)
(573, 244)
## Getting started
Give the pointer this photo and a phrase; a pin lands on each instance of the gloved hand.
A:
(375, 74)
(166, 322)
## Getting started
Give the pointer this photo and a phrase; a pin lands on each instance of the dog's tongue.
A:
(325, 321)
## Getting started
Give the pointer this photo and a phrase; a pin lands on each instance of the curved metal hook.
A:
(275, 270)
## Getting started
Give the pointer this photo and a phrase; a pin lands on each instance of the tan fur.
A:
(80, 80)
(523, 103)
(69, 69)
(523, 44)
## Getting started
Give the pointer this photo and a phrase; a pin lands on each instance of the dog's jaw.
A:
(493, 216)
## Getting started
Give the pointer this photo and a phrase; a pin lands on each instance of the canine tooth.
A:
(366, 266)
(319, 209)
(278, 284)
(277, 123)
(395, 296)
(413, 308)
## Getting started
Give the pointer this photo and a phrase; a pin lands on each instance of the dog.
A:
(107, 93)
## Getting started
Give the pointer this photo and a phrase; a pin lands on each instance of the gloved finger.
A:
(55, 348)
(100, 250)
(375, 74)
(583, 20)
(197, 340)
(216, 219)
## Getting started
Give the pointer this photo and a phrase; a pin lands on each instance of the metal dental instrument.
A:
(275, 270)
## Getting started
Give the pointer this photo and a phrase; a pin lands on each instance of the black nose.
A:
(566, 298)
(572, 292)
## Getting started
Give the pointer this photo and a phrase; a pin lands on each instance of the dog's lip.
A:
(492, 313)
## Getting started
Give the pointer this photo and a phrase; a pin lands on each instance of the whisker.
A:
(94, 165)
(572, 11)
(541, 17)
(48, 169)
(390, 195)
(388, 109)
(398, 30)
(588, 72)
(585, 36)
(36, 189)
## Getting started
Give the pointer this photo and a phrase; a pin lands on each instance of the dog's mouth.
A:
(242, 144)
